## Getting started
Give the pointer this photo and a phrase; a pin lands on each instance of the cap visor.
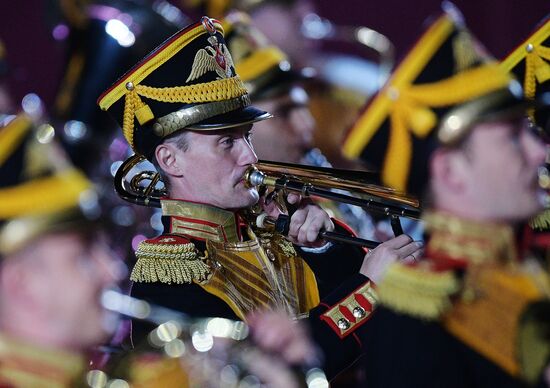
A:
(231, 119)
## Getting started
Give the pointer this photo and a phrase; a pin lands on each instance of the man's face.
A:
(289, 134)
(503, 161)
(213, 167)
(73, 273)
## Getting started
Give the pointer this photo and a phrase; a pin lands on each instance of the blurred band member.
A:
(54, 263)
(450, 125)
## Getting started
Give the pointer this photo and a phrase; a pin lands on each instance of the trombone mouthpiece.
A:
(254, 177)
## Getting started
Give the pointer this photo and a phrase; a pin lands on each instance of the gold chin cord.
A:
(206, 349)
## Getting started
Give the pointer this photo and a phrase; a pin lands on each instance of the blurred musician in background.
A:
(450, 124)
(339, 82)
(54, 262)
(276, 19)
(102, 39)
(529, 62)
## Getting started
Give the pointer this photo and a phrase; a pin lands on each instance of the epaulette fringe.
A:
(169, 263)
(541, 221)
(417, 291)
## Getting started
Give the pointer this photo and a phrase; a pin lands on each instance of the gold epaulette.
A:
(418, 290)
(492, 320)
(169, 259)
(541, 221)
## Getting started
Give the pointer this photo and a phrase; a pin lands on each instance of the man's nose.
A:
(247, 155)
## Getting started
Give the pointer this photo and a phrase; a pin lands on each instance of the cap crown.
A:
(192, 69)
(432, 98)
(530, 63)
(38, 185)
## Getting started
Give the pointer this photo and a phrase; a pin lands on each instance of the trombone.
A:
(345, 186)
(357, 188)
(323, 182)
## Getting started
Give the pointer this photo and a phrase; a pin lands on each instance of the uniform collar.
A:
(460, 242)
(27, 365)
(201, 221)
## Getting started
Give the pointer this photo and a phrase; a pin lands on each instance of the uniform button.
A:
(359, 312)
(343, 324)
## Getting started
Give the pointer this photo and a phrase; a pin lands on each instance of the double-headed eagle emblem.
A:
(212, 58)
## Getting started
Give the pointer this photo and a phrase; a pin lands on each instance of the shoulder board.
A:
(169, 259)
(418, 290)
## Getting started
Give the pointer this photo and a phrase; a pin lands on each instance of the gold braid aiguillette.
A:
(169, 263)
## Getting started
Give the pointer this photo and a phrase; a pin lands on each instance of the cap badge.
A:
(215, 57)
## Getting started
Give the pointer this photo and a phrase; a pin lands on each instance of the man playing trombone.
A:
(184, 108)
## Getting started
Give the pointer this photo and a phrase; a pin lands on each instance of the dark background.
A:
(36, 58)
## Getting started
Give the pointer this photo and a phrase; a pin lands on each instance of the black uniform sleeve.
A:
(338, 322)
(403, 351)
(333, 267)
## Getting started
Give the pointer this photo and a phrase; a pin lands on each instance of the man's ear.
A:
(167, 159)
(449, 169)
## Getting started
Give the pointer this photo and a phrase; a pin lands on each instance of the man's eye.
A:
(228, 141)
(538, 132)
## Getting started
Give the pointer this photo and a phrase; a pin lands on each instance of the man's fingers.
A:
(307, 223)
(398, 242)
(328, 224)
(296, 222)
(309, 232)
(293, 198)
(413, 248)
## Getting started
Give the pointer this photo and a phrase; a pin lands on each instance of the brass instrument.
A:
(145, 188)
(336, 185)
(332, 183)
(142, 188)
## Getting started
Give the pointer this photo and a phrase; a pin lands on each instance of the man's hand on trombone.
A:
(377, 260)
(309, 220)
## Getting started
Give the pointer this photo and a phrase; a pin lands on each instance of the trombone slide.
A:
(282, 223)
